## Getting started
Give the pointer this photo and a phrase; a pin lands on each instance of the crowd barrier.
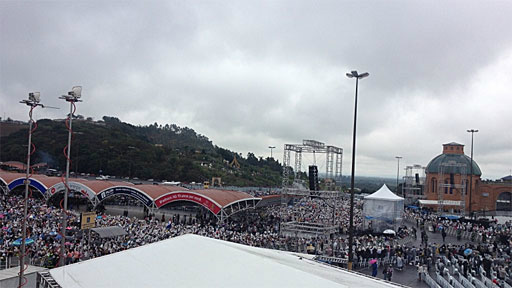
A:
(14, 261)
(488, 281)
(465, 281)
(443, 282)
(476, 282)
(430, 282)
(452, 231)
(332, 259)
(455, 283)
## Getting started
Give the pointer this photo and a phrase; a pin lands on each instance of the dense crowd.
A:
(261, 228)
(491, 255)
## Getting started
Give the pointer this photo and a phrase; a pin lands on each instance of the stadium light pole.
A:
(33, 102)
(353, 74)
(398, 172)
(72, 97)
(271, 147)
(472, 131)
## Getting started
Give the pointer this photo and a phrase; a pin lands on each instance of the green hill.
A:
(156, 151)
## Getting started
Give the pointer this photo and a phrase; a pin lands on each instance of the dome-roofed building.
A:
(453, 153)
(448, 176)
(448, 188)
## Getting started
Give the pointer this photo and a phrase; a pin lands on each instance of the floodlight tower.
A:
(33, 102)
(72, 97)
(271, 147)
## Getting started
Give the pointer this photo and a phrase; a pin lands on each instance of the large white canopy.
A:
(384, 194)
(196, 261)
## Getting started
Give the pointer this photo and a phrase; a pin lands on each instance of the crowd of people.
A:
(491, 255)
(260, 228)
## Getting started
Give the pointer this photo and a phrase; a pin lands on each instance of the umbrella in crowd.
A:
(389, 232)
(372, 261)
(468, 252)
(28, 241)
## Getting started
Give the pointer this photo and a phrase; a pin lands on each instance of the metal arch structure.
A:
(32, 182)
(137, 194)
(78, 187)
(334, 158)
(220, 212)
(189, 196)
(219, 205)
(238, 206)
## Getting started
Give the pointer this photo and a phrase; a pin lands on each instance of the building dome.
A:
(450, 165)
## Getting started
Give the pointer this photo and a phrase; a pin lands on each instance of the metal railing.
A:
(465, 281)
(488, 281)
(455, 283)
(443, 282)
(45, 280)
(430, 282)
(331, 259)
(14, 261)
(476, 282)
(306, 229)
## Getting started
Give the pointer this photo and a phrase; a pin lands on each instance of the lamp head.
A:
(364, 75)
(34, 97)
(76, 92)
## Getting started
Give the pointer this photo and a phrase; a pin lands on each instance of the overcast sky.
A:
(249, 74)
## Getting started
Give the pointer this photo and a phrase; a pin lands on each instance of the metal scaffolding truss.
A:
(413, 186)
(334, 157)
(446, 168)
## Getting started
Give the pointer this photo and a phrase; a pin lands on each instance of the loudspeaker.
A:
(313, 178)
(417, 179)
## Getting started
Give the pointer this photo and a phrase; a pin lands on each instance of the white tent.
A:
(383, 209)
(196, 261)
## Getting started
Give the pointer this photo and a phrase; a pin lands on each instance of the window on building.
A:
(446, 186)
(433, 183)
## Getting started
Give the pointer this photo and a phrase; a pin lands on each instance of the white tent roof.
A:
(384, 194)
(196, 261)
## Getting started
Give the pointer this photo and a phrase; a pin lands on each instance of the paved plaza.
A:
(409, 275)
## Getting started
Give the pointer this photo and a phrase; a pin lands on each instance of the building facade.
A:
(448, 189)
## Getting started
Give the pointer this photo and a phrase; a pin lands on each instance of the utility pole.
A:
(398, 173)
(472, 131)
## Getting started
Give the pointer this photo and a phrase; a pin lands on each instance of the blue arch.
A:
(34, 183)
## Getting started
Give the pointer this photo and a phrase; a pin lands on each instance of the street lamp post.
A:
(271, 147)
(398, 172)
(72, 97)
(351, 226)
(472, 131)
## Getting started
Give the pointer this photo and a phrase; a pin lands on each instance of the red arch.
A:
(202, 200)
